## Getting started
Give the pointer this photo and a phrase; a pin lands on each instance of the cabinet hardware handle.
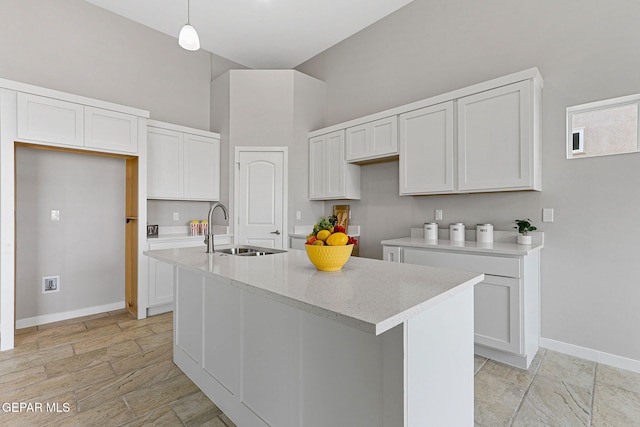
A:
(276, 232)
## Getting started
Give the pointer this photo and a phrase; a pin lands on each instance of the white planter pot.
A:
(524, 240)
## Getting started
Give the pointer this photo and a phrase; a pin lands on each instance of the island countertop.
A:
(370, 295)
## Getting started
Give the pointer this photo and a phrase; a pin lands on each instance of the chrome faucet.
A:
(208, 239)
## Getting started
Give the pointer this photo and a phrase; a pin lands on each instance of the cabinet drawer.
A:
(497, 266)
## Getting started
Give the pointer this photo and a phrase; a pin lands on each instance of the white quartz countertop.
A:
(495, 248)
(367, 294)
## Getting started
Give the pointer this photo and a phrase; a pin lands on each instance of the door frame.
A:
(285, 189)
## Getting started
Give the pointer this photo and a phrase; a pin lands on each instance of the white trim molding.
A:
(56, 317)
(591, 354)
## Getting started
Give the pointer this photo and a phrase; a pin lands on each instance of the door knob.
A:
(277, 232)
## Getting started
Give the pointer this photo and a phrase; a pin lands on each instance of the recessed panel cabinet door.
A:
(110, 130)
(334, 166)
(316, 167)
(164, 164)
(426, 150)
(201, 168)
(48, 120)
(495, 139)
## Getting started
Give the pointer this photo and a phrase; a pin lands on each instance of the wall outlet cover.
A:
(50, 284)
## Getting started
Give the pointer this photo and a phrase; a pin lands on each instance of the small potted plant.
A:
(524, 227)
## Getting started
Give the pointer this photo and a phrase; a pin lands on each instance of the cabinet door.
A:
(50, 120)
(164, 164)
(391, 253)
(495, 139)
(160, 283)
(372, 140)
(334, 165)
(498, 310)
(111, 130)
(316, 167)
(201, 168)
(426, 150)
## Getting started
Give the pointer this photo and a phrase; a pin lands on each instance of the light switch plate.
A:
(547, 215)
(176, 216)
(55, 215)
(438, 215)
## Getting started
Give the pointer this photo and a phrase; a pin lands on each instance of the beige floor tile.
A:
(108, 320)
(195, 409)
(496, 399)
(19, 350)
(58, 331)
(70, 321)
(159, 328)
(617, 377)
(85, 334)
(28, 330)
(99, 392)
(150, 398)
(551, 402)
(163, 417)
(53, 409)
(112, 413)
(520, 376)
(113, 353)
(29, 359)
(92, 344)
(614, 406)
(570, 369)
(20, 379)
(159, 319)
(155, 340)
(145, 358)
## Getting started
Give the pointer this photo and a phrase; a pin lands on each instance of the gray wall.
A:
(76, 47)
(85, 247)
(586, 50)
(269, 108)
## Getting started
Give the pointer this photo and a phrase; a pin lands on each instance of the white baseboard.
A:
(56, 317)
(591, 354)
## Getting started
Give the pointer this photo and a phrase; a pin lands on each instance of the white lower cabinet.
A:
(161, 274)
(506, 303)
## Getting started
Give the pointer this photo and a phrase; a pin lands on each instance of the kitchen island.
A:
(274, 342)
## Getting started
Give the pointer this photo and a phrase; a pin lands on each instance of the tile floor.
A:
(557, 390)
(102, 370)
(112, 370)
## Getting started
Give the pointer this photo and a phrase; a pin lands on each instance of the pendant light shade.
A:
(188, 38)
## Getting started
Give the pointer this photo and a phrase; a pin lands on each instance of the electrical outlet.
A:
(438, 215)
(50, 284)
(298, 215)
(55, 215)
(176, 216)
(547, 215)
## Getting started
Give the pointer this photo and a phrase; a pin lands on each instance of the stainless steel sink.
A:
(249, 251)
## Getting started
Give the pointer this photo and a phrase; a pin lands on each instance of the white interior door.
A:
(261, 196)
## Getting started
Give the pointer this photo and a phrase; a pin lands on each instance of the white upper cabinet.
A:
(373, 140)
(201, 167)
(484, 137)
(48, 120)
(165, 163)
(330, 176)
(426, 150)
(110, 130)
(182, 163)
(496, 143)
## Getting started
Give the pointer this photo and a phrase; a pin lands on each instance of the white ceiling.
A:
(259, 34)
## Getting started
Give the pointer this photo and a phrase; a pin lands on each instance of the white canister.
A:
(431, 231)
(456, 232)
(484, 233)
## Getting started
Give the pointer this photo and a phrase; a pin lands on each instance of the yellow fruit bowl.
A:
(329, 258)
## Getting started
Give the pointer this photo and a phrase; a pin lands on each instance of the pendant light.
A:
(188, 38)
